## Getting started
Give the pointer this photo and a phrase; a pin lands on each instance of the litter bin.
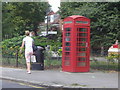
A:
(39, 64)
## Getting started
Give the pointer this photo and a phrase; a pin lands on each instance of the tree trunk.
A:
(102, 51)
(35, 29)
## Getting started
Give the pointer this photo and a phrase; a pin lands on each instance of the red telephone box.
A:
(76, 44)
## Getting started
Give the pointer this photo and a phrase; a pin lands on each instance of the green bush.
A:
(44, 41)
(11, 46)
(113, 58)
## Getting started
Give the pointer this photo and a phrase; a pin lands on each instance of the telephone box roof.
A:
(77, 16)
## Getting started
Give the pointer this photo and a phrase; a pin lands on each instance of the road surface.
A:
(12, 84)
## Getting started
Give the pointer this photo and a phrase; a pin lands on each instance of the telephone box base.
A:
(73, 70)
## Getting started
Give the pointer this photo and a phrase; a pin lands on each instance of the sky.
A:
(55, 4)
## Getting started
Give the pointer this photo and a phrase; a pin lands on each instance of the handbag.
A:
(34, 47)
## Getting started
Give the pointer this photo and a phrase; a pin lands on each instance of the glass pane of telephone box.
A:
(67, 63)
(81, 34)
(67, 43)
(67, 34)
(81, 49)
(67, 48)
(67, 39)
(82, 29)
(81, 44)
(68, 29)
(67, 53)
(81, 54)
(67, 58)
(83, 39)
(81, 59)
(81, 64)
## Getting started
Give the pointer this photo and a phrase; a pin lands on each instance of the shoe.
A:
(29, 72)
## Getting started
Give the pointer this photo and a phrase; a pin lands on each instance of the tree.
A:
(19, 16)
(104, 20)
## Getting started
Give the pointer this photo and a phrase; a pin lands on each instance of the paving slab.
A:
(57, 78)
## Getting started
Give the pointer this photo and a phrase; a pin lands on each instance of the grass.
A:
(52, 62)
(101, 65)
(12, 62)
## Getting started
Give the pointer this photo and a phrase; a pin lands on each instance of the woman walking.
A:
(27, 42)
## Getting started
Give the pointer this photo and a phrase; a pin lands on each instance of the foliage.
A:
(59, 52)
(44, 41)
(104, 16)
(11, 46)
(113, 58)
(19, 16)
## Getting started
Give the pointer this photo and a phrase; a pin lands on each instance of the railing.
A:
(15, 59)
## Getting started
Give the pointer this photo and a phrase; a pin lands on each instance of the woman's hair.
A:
(27, 33)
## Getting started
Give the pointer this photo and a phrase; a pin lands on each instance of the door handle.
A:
(86, 44)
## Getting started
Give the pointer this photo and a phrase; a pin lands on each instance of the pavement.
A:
(58, 78)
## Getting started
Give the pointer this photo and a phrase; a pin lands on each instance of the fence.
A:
(18, 60)
(97, 51)
(15, 59)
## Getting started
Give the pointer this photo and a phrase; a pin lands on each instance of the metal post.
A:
(47, 26)
(17, 58)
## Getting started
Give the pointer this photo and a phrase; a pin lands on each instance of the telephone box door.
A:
(82, 48)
